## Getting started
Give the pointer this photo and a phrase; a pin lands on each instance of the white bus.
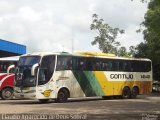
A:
(7, 80)
(60, 76)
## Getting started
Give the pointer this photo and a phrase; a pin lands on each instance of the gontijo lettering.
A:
(121, 76)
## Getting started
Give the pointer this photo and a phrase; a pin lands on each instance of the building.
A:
(8, 49)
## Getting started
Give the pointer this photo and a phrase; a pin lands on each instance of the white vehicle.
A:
(60, 76)
(156, 86)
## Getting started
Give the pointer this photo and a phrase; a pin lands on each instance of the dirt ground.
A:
(143, 108)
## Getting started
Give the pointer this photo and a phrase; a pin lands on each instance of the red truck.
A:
(7, 80)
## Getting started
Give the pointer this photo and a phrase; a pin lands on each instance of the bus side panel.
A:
(66, 79)
(146, 87)
(2, 75)
(7, 81)
(106, 86)
(115, 86)
(96, 83)
(89, 83)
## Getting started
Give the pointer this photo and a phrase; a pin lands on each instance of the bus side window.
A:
(88, 64)
(59, 65)
(127, 66)
(99, 66)
(104, 66)
(74, 63)
(64, 63)
(134, 66)
(120, 66)
(110, 67)
(96, 64)
(69, 63)
(147, 66)
(81, 64)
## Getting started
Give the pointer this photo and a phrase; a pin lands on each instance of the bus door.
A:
(45, 73)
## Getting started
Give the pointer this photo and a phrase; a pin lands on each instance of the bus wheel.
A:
(7, 94)
(62, 96)
(126, 93)
(43, 100)
(135, 92)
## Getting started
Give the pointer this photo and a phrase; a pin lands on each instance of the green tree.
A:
(106, 35)
(150, 48)
(141, 50)
(123, 52)
(152, 31)
(132, 51)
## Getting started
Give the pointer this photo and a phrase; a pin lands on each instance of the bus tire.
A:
(135, 92)
(43, 100)
(126, 93)
(7, 94)
(63, 95)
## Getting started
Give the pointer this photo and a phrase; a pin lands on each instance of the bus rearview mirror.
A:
(9, 68)
(34, 69)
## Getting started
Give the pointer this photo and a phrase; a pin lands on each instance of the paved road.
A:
(97, 108)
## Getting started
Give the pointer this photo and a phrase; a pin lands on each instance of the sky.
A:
(64, 25)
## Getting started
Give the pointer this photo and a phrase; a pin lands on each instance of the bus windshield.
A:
(23, 75)
(29, 60)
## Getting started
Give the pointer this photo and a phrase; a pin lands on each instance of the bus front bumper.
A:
(25, 95)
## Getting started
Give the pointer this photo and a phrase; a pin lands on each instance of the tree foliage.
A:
(150, 48)
(152, 31)
(141, 50)
(106, 35)
(122, 51)
(132, 51)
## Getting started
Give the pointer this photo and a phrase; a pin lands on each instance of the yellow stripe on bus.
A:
(116, 87)
(103, 81)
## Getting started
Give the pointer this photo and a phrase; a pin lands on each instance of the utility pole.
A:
(72, 39)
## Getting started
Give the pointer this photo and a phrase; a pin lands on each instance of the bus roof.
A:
(108, 55)
(86, 54)
(13, 58)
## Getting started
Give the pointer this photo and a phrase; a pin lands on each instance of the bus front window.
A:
(23, 77)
